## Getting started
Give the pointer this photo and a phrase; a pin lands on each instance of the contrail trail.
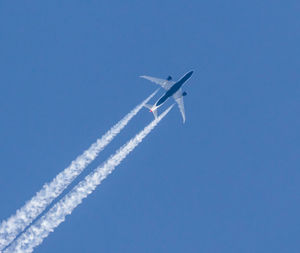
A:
(56, 215)
(24, 216)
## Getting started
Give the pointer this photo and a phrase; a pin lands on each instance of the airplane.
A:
(172, 89)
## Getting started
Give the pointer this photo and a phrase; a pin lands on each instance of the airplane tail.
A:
(150, 108)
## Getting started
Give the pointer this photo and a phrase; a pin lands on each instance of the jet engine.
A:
(184, 93)
(169, 78)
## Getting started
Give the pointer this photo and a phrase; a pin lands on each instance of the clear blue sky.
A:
(226, 181)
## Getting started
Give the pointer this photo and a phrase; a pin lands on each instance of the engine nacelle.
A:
(169, 78)
(184, 93)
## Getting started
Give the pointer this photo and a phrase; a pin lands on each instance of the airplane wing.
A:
(162, 82)
(179, 100)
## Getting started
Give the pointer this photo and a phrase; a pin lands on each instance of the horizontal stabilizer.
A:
(150, 108)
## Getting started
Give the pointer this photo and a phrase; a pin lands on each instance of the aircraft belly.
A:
(173, 90)
(162, 100)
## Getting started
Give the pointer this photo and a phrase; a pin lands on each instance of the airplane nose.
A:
(190, 73)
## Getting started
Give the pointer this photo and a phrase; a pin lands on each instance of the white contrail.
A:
(11, 227)
(56, 215)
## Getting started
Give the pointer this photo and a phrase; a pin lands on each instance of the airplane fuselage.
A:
(176, 86)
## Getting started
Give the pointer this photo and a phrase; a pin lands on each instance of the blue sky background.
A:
(226, 181)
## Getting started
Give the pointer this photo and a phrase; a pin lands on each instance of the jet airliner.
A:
(172, 89)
